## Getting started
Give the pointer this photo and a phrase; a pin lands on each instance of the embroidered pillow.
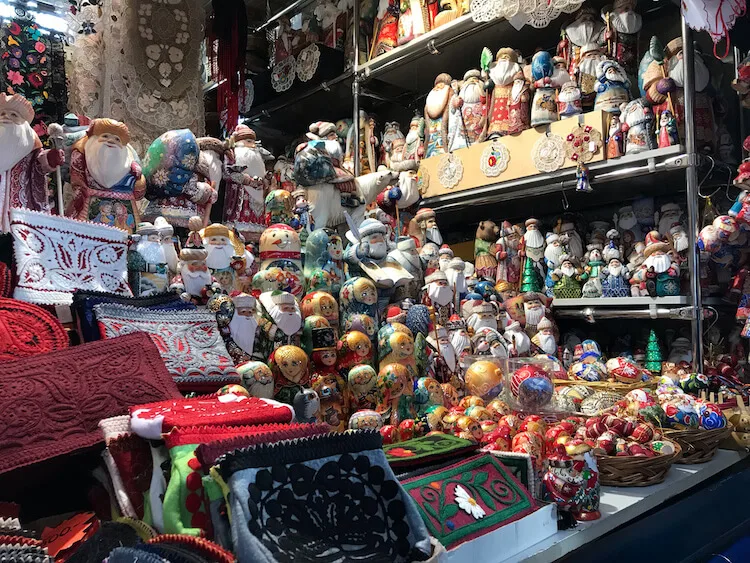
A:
(427, 450)
(189, 342)
(56, 255)
(84, 302)
(26, 329)
(469, 499)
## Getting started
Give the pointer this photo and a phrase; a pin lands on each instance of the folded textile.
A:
(189, 342)
(51, 404)
(152, 420)
(522, 467)
(109, 536)
(85, 301)
(57, 255)
(427, 450)
(331, 497)
(26, 329)
(469, 499)
(206, 549)
(133, 555)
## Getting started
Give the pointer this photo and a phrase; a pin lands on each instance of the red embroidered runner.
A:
(51, 404)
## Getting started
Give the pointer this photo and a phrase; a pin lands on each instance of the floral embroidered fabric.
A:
(469, 499)
(427, 450)
(56, 256)
(189, 342)
(51, 404)
(26, 330)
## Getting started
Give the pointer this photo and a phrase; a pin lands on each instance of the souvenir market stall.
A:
(386, 281)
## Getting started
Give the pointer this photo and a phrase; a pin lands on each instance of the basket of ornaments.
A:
(618, 375)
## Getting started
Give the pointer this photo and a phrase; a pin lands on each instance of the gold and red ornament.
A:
(582, 143)
(548, 153)
(495, 159)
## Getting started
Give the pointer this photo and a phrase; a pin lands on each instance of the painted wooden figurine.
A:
(637, 118)
(544, 105)
(509, 102)
(436, 111)
(613, 87)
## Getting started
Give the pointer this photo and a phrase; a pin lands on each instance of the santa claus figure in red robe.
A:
(23, 162)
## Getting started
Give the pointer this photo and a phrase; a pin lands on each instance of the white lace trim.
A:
(307, 62)
(536, 13)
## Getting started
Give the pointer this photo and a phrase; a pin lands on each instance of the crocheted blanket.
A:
(56, 255)
(51, 404)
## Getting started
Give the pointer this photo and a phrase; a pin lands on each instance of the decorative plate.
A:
(495, 159)
(582, 143)
(450, 170)
(307, 62)
(548, 153)
(282, 74)
(423, 180)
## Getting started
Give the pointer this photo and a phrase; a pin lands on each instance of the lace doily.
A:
(582, 143)
(495, 159)
(450, 170)
(537, 13)
(717, 17)
(548, 153)
(423, 180)
(307, 62)
(282, 74)
(246, 102)
(56, 256)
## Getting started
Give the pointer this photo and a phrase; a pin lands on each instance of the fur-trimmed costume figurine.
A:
(106, 177)
(23, 162)
(280, 322)
(509, 111)
(227, 258)
(194, 283)
(236, 317)
(436, 111)
(152, 259)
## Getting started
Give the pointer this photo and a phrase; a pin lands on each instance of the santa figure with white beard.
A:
(104, 170)
(623, 25)
(668, 217)
(246, 184)
(280, 323)
(518, 341)
(585, 30)
(533, 245)
(613, 86)
(483, 315)
(445, 255)
(615, 277)
(242, 328)
(459, 336)
(627, 225)
(456, 273)
(23, 162)
(194, 282)
(407, 256)
(568, 278)
(509, 111)
(570, 237)
(227, 257)
(439, 295)
(544, 340)
(552, 253)
(534, 309)
(508, 259)
(152, 260)
(444, 360)
(659, 275)
(423, 228)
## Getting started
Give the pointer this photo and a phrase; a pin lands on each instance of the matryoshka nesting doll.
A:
(257, 378)
(324, 253)
(427, 393)
(358, 296)
(332, 408)
(279, 207)
(468, 429)
(397, 346)
(363, 389)
(280, 247)
(365, 419)
(289, 367)
(395, 388)
(434, 416)
(451, 396)
(323, 304)
(353, 348)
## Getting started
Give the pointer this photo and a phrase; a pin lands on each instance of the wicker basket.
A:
(698, 446)
(632, 471)
(615, 386)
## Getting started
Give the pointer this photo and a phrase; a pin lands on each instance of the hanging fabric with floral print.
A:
(548, 153)
(469, 499)
(495, 159)
(450, 170)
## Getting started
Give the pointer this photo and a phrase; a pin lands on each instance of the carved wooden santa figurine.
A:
(585, 29)
(23, 163)
(152, 260)
(473, 106)
(194, 283)
(246, 184)
(509, 103)
(436, 111)
(106, 177)
(227, 257)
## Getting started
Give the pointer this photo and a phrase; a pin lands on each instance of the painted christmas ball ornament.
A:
(598, 402)
(623, 370)
(642, 433)
(530, 442)
(711, 417)
(587, 371)
(693, 383)
(533, 422)
(484, 379)
(681, 412)
(531, 386)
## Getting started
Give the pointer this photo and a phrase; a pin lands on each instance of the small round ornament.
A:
(693, 383)
(586, 371)
(624, 370)
(535, 392)
(365, 419)
(582, 143)
(529, 442)
(484, 379)
(450, 170)
(494, 160)
(598, 402)
(548, 153)
(711, 417)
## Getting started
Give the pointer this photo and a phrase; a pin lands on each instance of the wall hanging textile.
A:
(26, 330)
(51, 404)
(56, 256)
(353, 506)
(469, 499)
(85, 301)
(189, 342)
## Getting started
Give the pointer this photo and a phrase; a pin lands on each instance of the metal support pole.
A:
(737, 61)
(691, 177)
(355, 90)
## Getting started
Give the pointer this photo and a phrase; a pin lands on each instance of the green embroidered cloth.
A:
(427, 450)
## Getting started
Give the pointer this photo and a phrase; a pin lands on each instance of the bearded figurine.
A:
(591, 56)
(615, 278)
(283, 172)
(106, 177)
(519, 343)
(456, 274)
(227, 258)
(669, 215)
(482, 315)
(568, 278)
(279, 320)
(368, 144)
(413, 148)
(246, 184)
(594, 270)
(552, 252)
(509, 102)
(429, 255)
(459, 337)
(615, 138)
(473, 106)
(544, 104)
(569, 100)
(152, 260)
(484, 250)
(456, 132)
(627, 225)
(659, 275)
(570, 237)
(413, 21)
(612, 88)
(544, 340)
(436, 109)
(444, 365)
(235, 317)
(585, 29)
(668, 135)
(622, 26)
(200, 196)
(407, 256)
(533, 248)
(534, 310)
(392, 143)
(508, 258)
(280, 247)
(194, 283)
(423, 228)
(637, 119)
(438, 295)
(257, 378)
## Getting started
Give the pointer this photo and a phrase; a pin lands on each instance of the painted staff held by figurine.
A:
(57, 137)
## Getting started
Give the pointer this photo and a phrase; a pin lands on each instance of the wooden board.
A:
(519, 146)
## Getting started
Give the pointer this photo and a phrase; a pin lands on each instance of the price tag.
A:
(69, 533)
